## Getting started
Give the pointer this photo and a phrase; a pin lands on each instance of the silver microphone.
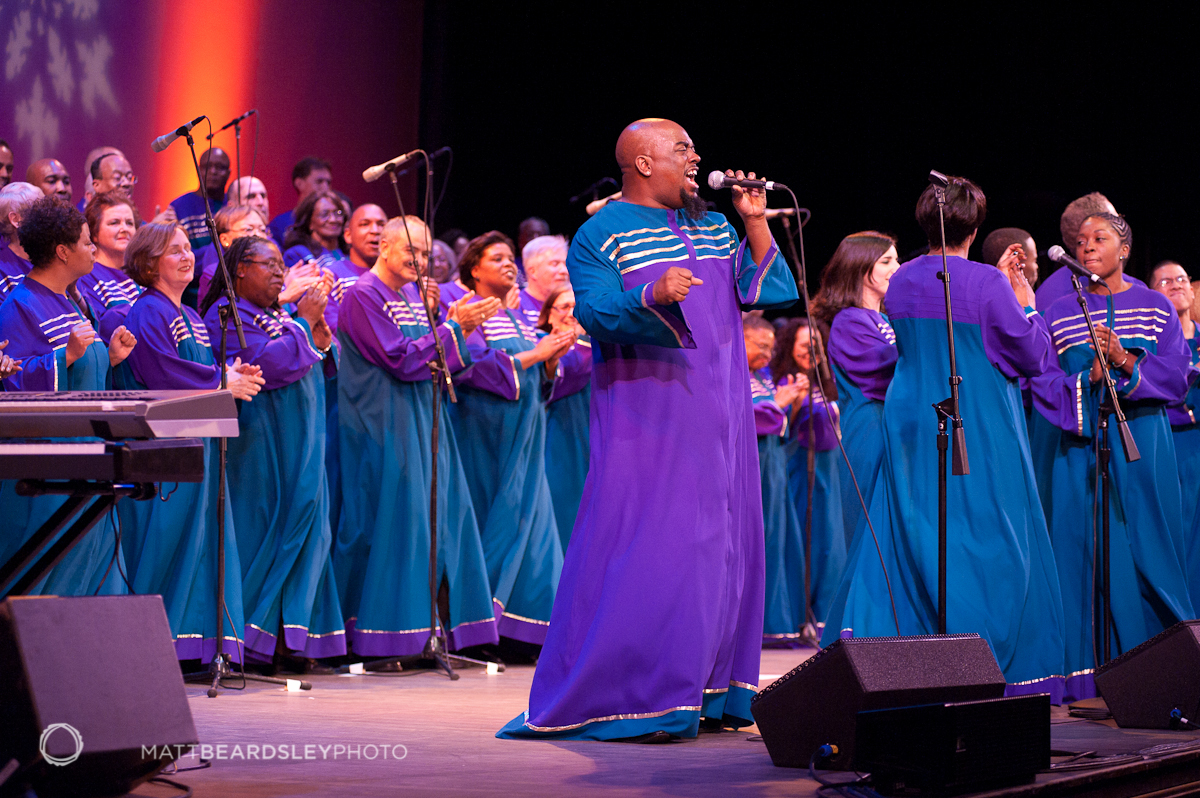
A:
(162, 142)
(375, 172)
(718, 180)
(1060, 256)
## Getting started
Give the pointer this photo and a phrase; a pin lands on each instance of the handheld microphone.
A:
(241, 118)
(373, 173)
(1060, 256)
(774, 212)
(162, 142)
(717, 180)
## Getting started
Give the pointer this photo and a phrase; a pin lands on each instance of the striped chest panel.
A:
(504, 327)
(762, 389)
(338, 292)
(645, 247)
(181, 331)
(406, 314)
(272, 322)
(1134, 326)
(8, 282)
(58, 329)
(117, 292)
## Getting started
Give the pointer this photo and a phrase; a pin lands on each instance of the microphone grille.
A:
(1056, 253)
(716, 179)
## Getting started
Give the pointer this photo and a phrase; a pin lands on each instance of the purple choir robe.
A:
(111, 294)
(13, 269)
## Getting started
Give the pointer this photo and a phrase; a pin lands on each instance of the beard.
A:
(693, 205)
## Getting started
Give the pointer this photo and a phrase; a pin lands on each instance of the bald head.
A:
(51, 177)
(659, 164)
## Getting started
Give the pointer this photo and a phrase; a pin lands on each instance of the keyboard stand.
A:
(37, 556)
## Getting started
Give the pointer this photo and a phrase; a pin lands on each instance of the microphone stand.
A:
(948, 409)
(593, 190)
(809, 632)
(1110, 406)
(435, 650)
(219, 668)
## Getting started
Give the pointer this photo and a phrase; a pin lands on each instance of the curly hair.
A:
(148, 244)
(97, 205)
(474, 253)
(45, 225)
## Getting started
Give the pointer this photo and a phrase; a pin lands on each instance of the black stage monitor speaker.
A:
(90, 692)
(1145, 684)
(819, 700)
(945, 749)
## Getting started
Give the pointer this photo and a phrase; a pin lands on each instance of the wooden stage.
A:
(445, 732)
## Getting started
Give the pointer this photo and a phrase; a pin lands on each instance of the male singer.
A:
(659, 614)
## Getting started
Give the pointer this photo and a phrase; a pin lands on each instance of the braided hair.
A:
(1118, 224)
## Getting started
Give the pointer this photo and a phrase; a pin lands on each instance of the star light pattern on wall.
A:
(55, 55)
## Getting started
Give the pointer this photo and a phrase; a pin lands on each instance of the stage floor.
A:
(445, 733)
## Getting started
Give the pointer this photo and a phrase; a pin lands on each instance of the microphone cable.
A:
(821, 386)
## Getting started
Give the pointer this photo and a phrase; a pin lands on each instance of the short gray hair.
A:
(15, 198)
(541, 245)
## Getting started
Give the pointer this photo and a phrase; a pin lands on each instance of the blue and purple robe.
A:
(278, 490)
(659, 615)
(828, 545)
(1058, 285)
(278, 226)
(171, 541)
(500, 421)
(862, 354)
(1001, 577)
(300, 253)
(189, 210)
(1149, 589)
(1184, 416)
(37, 323)
(783, 616)
(385, 415)
(13, 269)
(111, 294)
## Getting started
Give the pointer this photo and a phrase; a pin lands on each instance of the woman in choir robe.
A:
(862, 354)
(1001, 578)
(48, 331)
(232, 222)
(567, 438)
(1170, 280)
(318, 230)
(783, 619)
(385, 415)
(171, 540)
(1150, 361)
(277, 484)
(15, 198)
(112, 220)
(792, 359)
(500, 420)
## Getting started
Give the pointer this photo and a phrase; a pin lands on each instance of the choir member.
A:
(15, 199)
(250, 191)
(1149, 358)
(51, 177)
(444, 262)
(1001, 577)
(88, 191)
(111, 172)
(567, 408)
(659, 617)
(363, 235)
(1170, 280)
(827, 542)
(171, 540)
(500, 422)
(862, 354)
(189, 207)
(48, 330)
(308, 176)
(7, 162)
(529, 229)
(783, 616)
(1058, 283)
(112, 220)
(998, 243)
(278, 487)
(232, 222)
(545, 263)
(385, 412)
(317, 231)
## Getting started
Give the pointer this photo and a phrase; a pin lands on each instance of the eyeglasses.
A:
(273, 265)
(334, 214)
(1167, 282)
(124, 177)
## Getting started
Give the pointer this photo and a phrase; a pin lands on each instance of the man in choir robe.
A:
(363, 235)
(545, 259)
(51, 177)
(15, 199)
(385, 399)
(309, 175)
(88, 190)
(250, 191)
(658, 620)
(189, 207)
